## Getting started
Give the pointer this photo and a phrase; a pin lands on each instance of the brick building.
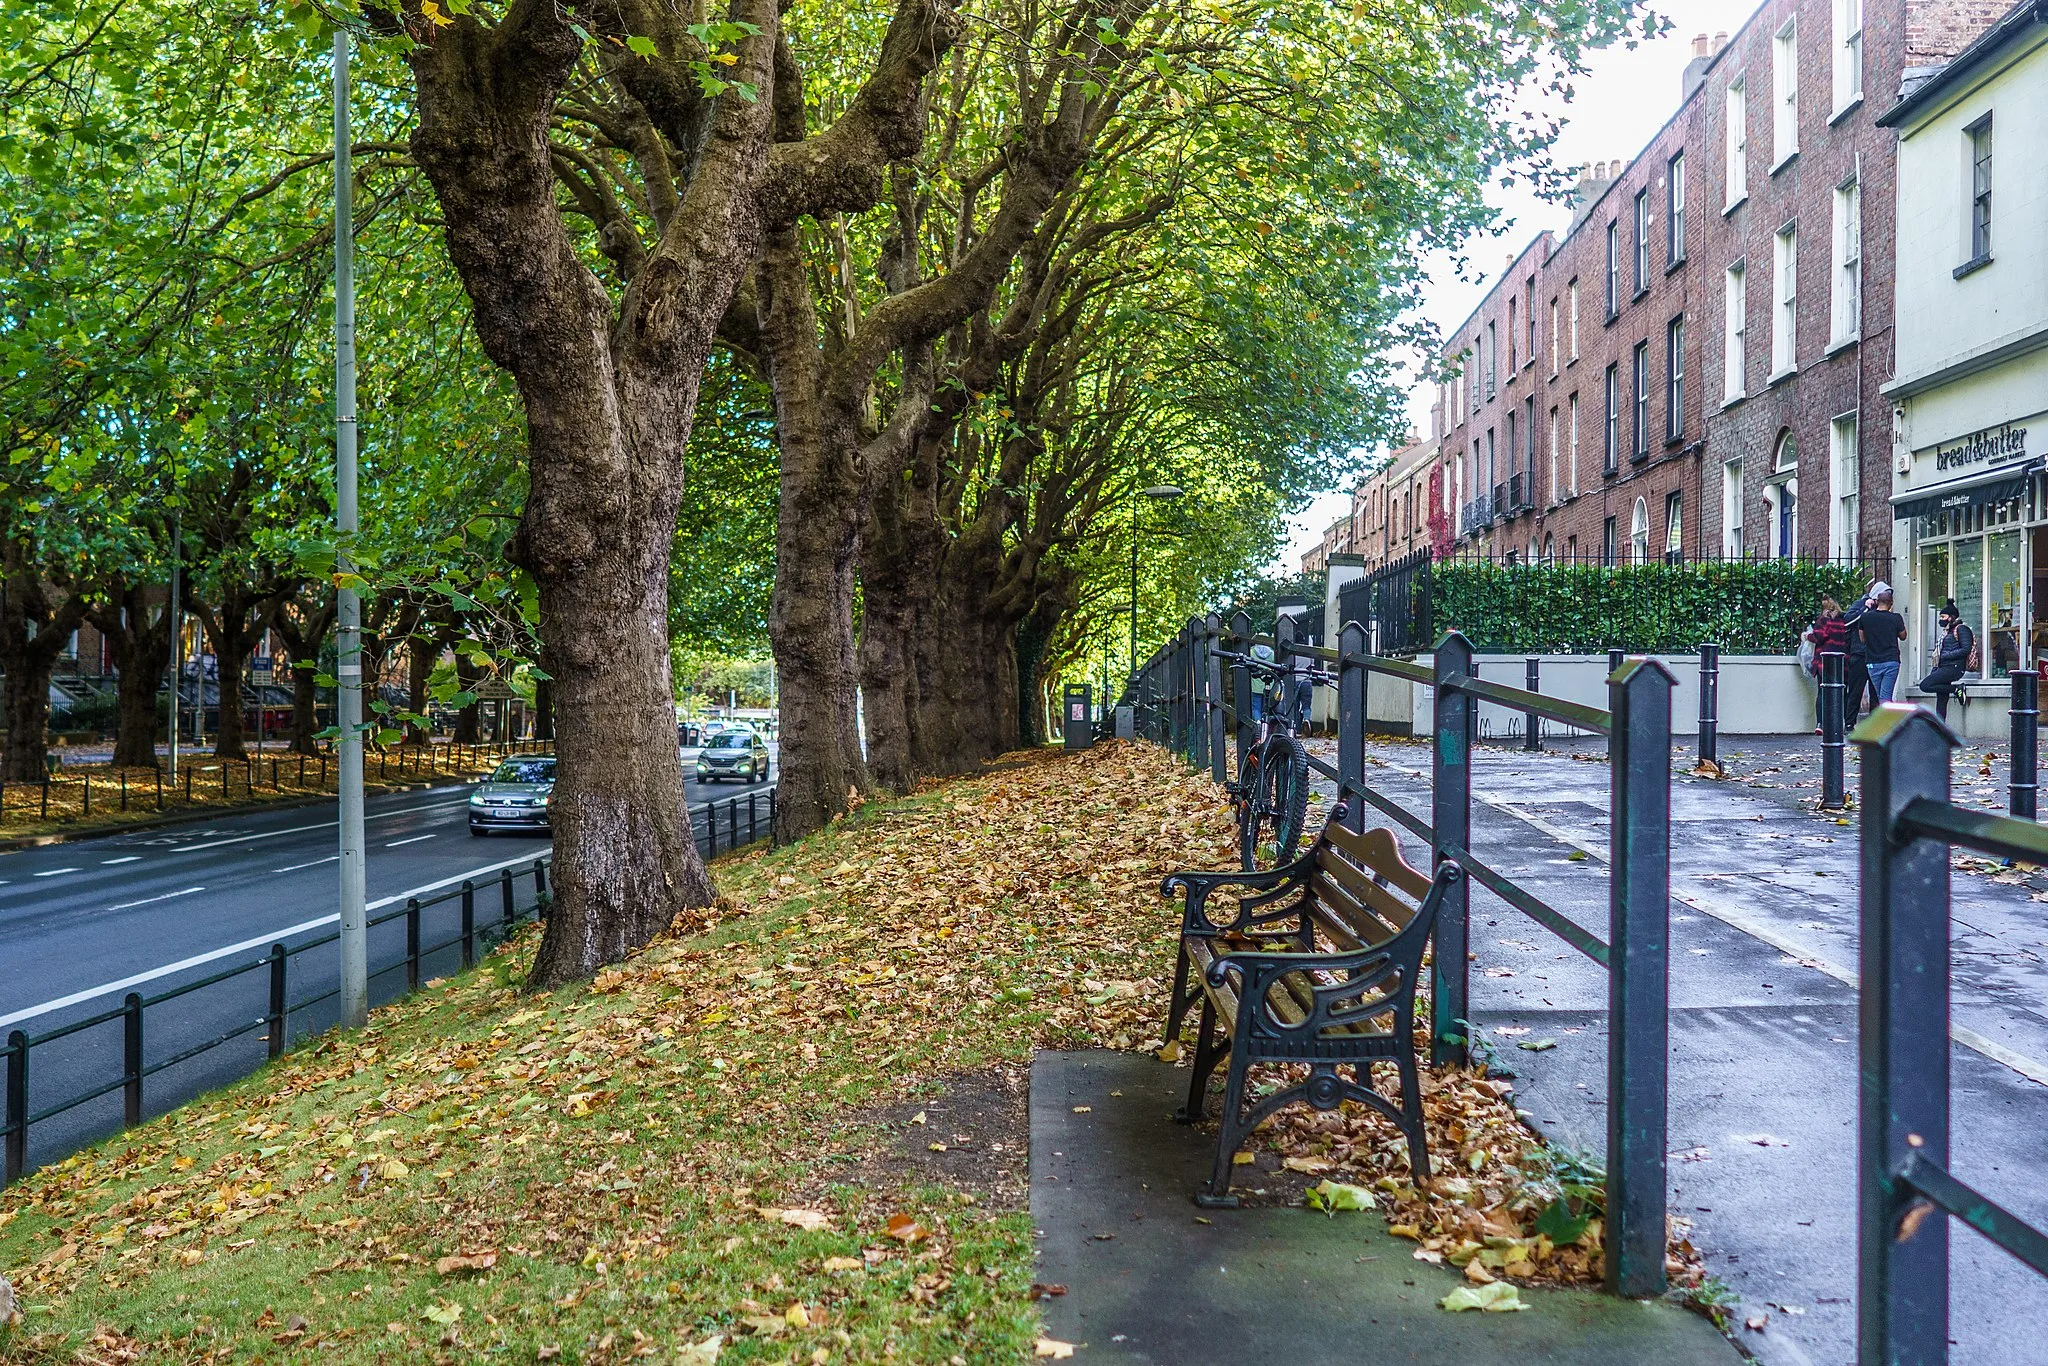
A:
(1395, 511)
(1694, 368)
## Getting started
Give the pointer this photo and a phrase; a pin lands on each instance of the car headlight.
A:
(476, 799)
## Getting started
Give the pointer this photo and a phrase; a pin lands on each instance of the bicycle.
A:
(1271, 790)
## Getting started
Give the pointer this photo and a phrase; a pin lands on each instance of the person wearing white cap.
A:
(1882, 629)
(1856, 664)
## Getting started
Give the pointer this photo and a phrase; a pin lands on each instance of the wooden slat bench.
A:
(1353, 917)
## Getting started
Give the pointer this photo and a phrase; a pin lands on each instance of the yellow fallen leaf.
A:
(455, 1264)
(797, 1315)
(1052, 1347)
(808, 1219)
(701, 1354)
(394, 1170)
(843, 1263)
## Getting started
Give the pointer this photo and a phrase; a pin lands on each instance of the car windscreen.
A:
(525, 771)
(732, 739)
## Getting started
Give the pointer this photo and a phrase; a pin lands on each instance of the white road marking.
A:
(413, 840)
(293, 868)
(126, 858)
(146, 900)
(55, 871)
(323, 825)
(260, 941)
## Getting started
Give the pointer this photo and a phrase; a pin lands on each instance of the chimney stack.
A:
(1699, 45)
(1696, 69)
(1720, 41)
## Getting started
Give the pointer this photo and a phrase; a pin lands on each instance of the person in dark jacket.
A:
(1830, 635)
(1951, 657)
(1856, 668)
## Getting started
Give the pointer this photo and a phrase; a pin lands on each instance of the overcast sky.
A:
(1620, 105)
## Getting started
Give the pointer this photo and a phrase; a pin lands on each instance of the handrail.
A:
(1596, 719)
(1538, 910)
(1986, 832)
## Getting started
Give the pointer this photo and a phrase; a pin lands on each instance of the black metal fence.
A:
(255, 994)
(1394, 604)
(1905, 1190)
(1196, 716)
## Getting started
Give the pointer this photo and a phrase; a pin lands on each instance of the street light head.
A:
(1163, 491)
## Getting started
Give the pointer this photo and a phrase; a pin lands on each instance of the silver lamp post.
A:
(355, 961)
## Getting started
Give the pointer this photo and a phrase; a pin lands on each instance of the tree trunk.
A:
(138, 624)
(544, 707)
(233, 628)
(421, 652)
(38, 619)
(305, 706)
(468, 727)
(810, 618)
(899, 558)
(303, 629)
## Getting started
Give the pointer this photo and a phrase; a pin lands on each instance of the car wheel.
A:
(478, 830)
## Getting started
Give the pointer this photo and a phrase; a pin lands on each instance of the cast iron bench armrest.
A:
(1195, 920)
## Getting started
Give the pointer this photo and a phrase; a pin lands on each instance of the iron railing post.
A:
(1833, 792)
(2026, 734)
(468, 922)
(1638, 976)
(17, 1107)
(1614, 657)
(1902, 1042)
(412, 943)
(1710, 704)
(753, 819)
(1198, 694)
(508, 912)
(279, 1012)
(540, 888)
(1212, 677)
(1532, 725)
(1451, 820)
(1241, 690)
(1351, 690)
(131, 1059)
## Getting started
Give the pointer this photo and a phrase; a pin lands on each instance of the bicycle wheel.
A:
(1250, 796)
(1286, 795)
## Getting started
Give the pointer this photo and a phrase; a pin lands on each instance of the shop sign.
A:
(1990, 446)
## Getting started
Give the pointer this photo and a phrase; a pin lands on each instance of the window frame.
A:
(1731, 508)
(1785, 94)
(1674, 210)
(1572, 422)
(1845, 495)
(1571, 290)
(1735, 333)
(1639, 401)
(1642, 246)
(1848, 47)
(1613, 269)
(1979, 166)
(1735, 113)
(1784, 302)
(1845, 301)
(1611, 452)
(1674, 527)
(1674, 379)
(1554, 348)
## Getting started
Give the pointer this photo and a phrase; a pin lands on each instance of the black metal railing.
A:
(1393, 603)
(1905, 1190)
(717, 827)
(1201, 715)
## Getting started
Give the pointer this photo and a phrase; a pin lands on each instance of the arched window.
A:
(1639, 533)
(1781, 499)
(1788, 454)
(1550, 549)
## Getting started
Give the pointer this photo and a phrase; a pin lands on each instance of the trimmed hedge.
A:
(1756, 607)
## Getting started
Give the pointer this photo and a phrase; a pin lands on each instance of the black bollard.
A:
(1710, 705)
(1614, 656)
(2026, 734)
(1832, 712)
(1532, 727)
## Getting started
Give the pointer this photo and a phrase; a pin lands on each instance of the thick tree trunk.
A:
(899, 557)
(233, 630)
(305, 706)
(38, 620)
(303, 628)
(544, 709)
(137, 623)
(810, 618)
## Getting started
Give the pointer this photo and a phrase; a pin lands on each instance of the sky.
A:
(1619, 106)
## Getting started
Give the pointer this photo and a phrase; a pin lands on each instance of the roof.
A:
(1966, 68)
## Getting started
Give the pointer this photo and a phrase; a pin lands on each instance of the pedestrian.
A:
(1856, 668)
(1829, 634)
(1952, 657)
(1882, 629)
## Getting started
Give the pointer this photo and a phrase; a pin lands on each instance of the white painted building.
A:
(1970, 392)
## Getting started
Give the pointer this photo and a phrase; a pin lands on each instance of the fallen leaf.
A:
(1755, 1322)
(1499, 1297)
(843, 1264)
(394, 1170)
(905, 1229)
(1052, 1347)
(1536, 1045)
(810, 1220)
(1045, 1292)
(702, 1353)
(1331, 1196)
(455, 1264)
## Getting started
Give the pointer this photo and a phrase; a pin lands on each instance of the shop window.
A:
(2001, 648)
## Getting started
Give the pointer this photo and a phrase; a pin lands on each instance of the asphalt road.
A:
(85, 923)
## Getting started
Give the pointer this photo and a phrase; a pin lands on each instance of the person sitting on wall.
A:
(1951, 659)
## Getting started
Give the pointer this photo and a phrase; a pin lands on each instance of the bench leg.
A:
(1177, 1004)
(1216, 1195)
(1411, 1111)
(1207, 1052)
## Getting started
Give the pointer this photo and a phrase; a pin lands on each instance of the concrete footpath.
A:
(1763, 1030)
(1149, 1278)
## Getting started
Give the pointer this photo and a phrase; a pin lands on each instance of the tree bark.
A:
(303, 628)
(233, 628)
(468, 722)
(39, 618)
(137, 620)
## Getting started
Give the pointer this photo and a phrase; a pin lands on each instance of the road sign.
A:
(494, 690)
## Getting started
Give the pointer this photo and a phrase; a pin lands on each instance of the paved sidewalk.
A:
(1152, 1279)
(1763, 1080)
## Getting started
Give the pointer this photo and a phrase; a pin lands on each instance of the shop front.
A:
(1972, 514)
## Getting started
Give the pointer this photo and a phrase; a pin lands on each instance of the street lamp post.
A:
(355, 972)
(1164, 493)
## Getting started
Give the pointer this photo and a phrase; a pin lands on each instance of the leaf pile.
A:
(649, 1164)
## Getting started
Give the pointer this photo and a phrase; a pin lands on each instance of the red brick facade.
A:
(1804, 428)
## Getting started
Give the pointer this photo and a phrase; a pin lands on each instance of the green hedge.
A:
(1755, 607)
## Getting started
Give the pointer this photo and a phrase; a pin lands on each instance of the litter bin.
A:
(1080, 732)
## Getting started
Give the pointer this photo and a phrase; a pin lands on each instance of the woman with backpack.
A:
(1955, 655)
(1829, 634)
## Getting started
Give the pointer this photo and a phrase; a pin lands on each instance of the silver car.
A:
(514, 797)
(736, 753)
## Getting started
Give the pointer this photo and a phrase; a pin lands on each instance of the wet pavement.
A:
(1763, 1029)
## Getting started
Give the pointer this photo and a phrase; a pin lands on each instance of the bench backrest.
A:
(1362, 891)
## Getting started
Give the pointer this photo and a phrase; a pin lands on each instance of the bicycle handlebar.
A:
(1274, 670)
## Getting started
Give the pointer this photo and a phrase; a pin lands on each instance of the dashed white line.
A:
(414, 840)
(55, 871)
(261, 941)
(125, 858)
(293, 868)
(148, 899)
